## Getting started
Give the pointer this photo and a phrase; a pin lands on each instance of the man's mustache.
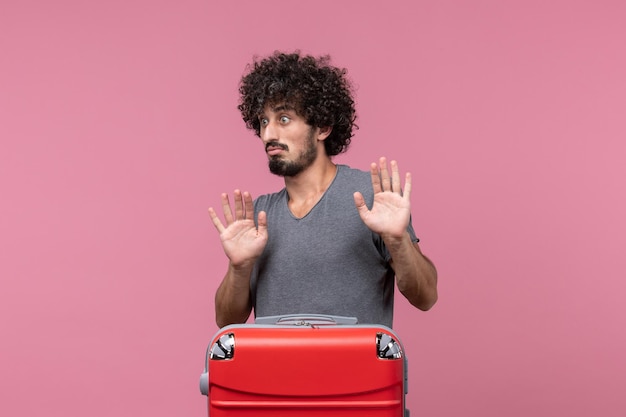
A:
(275, 145)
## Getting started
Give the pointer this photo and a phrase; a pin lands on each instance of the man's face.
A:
(290, 143)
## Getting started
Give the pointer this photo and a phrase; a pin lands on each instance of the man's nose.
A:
(269, 132)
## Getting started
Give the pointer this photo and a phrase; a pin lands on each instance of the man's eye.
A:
(284, 119)
(263, 122)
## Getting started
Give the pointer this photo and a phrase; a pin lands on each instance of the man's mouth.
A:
(274, 148)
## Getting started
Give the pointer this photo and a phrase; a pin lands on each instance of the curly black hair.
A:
(318, 91)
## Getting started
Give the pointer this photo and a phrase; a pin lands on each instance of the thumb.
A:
(262, 222)
(359, 201)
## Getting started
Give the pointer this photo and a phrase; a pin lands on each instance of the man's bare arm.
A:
(243, 242)
(232, 298)
(416, 276)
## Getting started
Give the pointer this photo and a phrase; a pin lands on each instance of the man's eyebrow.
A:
(278, 108)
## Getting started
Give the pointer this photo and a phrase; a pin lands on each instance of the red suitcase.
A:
(305, 366)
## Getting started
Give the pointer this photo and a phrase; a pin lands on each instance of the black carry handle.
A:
(307, 320)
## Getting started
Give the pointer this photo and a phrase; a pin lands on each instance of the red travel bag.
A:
(305, 366)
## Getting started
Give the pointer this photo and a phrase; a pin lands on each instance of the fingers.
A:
(376, 183)
(384, 174)
(216, 221)
(239, 207)
(243, 206)
(228, 215)
(249, 205)
(396, 185)
(383, 180)
(407, 186)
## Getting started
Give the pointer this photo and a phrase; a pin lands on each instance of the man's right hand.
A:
(242, 240)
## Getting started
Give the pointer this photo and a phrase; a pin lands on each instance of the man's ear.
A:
(324, 132)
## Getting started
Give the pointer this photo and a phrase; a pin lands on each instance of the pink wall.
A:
(118, 129)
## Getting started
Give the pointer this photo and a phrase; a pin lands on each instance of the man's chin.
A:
(283, 169)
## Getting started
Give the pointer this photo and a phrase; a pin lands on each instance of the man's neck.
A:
(306, 188)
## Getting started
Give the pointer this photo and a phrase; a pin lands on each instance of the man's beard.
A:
(285, 168)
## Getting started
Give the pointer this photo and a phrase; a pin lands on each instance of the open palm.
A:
(391, 209)
(242, 240)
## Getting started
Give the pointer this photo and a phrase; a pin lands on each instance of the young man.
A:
(331, 241)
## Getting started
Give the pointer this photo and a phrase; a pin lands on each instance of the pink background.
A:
(118, 129)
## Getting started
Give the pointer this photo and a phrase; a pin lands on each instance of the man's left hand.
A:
(391, 210)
